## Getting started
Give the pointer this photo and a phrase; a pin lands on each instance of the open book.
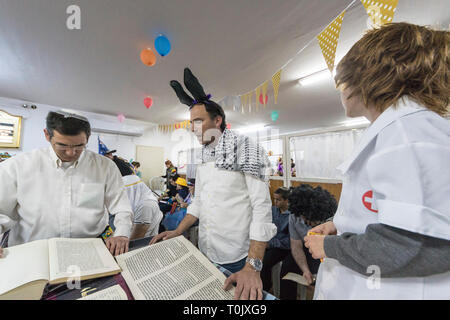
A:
(297, 278)
(26, 269)
(172, 270)
(112, 293)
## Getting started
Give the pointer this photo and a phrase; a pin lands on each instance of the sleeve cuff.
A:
(330, 246)
(262, 231)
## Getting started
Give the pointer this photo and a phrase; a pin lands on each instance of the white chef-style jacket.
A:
(39, 199)
(398, 175)
(143, 203)
(233, 208)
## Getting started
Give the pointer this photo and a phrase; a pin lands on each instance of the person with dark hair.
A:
(170, 171)
(232, 202)
(136, 166)
(309, 207)
(390, 237)
(279, 246)
(147, 215)
(62, 191)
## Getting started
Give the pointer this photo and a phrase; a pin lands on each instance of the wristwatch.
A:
(255, 263)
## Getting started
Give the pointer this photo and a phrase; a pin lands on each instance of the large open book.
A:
(26, 269)
(172, 270)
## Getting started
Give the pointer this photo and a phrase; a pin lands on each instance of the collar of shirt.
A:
(57, 161)
(405, 107)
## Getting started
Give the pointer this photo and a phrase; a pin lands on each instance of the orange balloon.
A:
(148, 57)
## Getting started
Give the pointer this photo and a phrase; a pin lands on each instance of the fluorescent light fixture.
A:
(356, 122)
(256, 127)
(316, 77)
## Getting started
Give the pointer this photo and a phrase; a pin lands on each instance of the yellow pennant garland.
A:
(276, 84)
(249, 97)
(257, 92)
(243, 97)
(380, 11)
(328, 40)
(165, 128)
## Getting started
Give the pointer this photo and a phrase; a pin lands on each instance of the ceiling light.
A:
(256, 127)
(316, 77)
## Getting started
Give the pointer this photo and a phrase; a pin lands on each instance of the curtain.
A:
(317, 156)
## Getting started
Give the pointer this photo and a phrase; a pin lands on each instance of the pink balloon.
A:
(228, 126)
(261, 99)
(121, 118)
(148, 102)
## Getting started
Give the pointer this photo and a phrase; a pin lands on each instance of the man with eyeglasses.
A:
(63, 191)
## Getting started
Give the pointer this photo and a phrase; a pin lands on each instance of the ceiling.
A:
(232, 46)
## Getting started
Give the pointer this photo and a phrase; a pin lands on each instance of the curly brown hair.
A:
(395, 60)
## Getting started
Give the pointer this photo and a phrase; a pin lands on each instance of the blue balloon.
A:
(162, 45)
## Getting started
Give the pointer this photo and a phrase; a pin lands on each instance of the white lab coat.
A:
(398, 175)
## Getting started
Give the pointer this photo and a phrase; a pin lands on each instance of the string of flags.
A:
(379, 12)
(165, 128)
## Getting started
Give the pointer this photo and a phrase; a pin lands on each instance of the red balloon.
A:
(261, 99)
(148, 102)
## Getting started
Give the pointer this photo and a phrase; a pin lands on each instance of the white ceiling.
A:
(232, 46)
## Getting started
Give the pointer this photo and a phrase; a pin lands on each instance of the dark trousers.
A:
(288, 288)
(271, 258)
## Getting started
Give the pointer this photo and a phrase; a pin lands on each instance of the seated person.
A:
(62, 191)
(279, 246)
(136, 166)
(309, 207)
(179, 205)
(170, 193)
(144, 204)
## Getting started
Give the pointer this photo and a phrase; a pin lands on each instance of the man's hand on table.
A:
(117, 245)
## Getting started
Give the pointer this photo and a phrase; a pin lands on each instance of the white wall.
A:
(33, 124)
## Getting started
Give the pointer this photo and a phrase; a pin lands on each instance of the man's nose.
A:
(71, 152)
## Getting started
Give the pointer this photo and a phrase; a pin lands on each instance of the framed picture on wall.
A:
(10, 127)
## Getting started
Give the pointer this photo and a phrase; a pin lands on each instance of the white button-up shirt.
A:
(233, 208)
(39, 199)
(144, 204)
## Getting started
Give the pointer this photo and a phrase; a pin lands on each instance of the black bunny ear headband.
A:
(194, 87)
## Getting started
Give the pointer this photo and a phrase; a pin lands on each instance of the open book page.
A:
(112, 293)
(296, 277)
(84, 258)
(172, 269)
(23, 264)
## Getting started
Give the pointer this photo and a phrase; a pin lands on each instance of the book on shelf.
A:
(26, 269)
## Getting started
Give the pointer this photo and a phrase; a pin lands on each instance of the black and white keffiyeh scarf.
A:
(238, 153)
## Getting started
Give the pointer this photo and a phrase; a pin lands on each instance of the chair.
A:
(157, 184)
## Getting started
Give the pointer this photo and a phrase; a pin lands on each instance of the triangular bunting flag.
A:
(243, 102)
(276, 84)
(257, 91)
(380, 11)
(328, 40)
(250, 96)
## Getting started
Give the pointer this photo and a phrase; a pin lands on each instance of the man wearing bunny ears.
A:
(232, 200)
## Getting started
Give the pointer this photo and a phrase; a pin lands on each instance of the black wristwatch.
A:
(255, 263)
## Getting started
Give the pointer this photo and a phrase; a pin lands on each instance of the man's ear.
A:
(47, 135)
(219, 120)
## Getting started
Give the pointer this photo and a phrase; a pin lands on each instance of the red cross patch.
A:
(367, 200)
